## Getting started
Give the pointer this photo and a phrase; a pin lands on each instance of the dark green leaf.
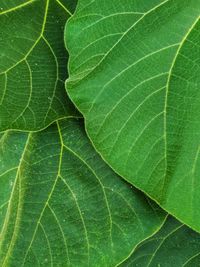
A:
(33, 63)
(61, 205)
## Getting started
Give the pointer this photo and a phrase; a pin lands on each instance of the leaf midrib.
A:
(63, 146)
(6, 220)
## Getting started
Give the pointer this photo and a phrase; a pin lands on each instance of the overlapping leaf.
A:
(175, 245)
(136, 77)
(63, 206)
(33, 63)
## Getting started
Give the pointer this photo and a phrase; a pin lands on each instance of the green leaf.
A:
(141, 97)
(63, 206)
(33, 63)
(175, 245)
(11, 147)
(92, 19)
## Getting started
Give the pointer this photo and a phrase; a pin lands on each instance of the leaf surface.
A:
(141, 97)
(175, 245)
(64, 205)
(33, 63)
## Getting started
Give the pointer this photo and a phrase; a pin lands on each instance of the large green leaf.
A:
(33, 63)
(61, 205)
(141, 96)
(175, 245)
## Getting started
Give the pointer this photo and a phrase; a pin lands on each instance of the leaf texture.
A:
(63, 206)
(11, 146)
(175, 245)
(33, 63)
(141, 97)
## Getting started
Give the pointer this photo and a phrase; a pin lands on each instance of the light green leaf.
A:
(64, 205)
(141, 98)
(175, 245)
(92, 19)
(33, 63)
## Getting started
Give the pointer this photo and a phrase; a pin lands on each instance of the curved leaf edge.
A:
(154, 233)
(103, 158)
(45, 127)
(82, 119)
(90, 138)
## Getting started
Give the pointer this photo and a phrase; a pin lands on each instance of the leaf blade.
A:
(124, 99)
(70, 203)
(167, 247)
(33, 65)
